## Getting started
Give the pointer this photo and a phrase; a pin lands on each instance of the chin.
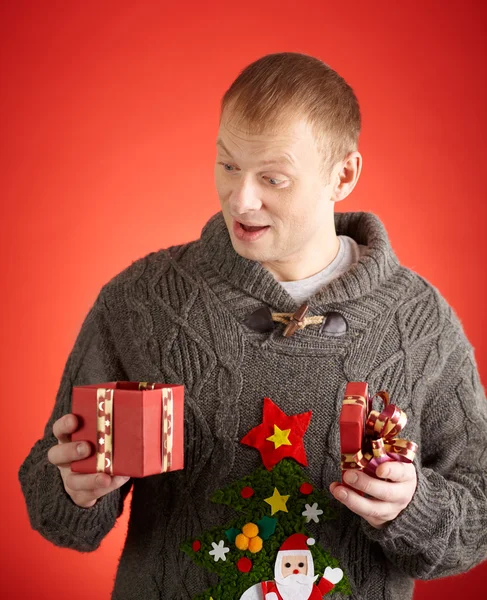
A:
(244, 249)
(247, 252)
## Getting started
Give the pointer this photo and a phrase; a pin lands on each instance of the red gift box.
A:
(367, 437)
(135, 428)
(356, 406)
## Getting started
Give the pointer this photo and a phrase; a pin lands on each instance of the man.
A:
(207, 314)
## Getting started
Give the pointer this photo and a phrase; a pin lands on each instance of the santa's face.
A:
(294, 565)
(295, 583)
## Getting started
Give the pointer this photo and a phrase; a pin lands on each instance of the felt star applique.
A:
(279, 435)
(277, 502)
(219, 551)
(312, 512)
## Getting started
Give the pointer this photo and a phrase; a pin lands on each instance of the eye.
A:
(287, 565)
(273, 181)
(301, 565)
(226, 167)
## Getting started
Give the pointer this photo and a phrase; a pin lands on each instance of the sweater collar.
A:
(372, 270)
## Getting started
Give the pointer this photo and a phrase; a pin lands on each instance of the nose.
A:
(295, 572)
(244, 197)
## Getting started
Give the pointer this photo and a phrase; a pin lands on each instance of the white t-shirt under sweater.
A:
(349, 253)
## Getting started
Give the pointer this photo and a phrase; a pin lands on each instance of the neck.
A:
(308, 262)
(250, 277)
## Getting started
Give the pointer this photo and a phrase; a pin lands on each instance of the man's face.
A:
(274, 196)
(294, 565)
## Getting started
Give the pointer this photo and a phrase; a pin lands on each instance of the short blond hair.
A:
(282, 86)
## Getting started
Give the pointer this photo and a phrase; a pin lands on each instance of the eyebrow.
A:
(276, 160)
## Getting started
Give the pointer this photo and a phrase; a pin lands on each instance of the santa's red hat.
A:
(296, 541)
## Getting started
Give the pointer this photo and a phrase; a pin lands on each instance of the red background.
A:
(109, 116)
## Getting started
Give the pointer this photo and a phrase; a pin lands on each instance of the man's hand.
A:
(83, 489)
(386, 499)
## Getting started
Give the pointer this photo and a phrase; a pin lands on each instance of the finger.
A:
(64, 454)
(96, 484)
(376, 512)
(397, 471)
(64, 427)
(386, 491)
(116, 482)
(333, 486)
(80, 482)
(86, 495)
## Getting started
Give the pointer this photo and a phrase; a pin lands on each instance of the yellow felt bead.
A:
(242, 541)
(255, 544)
(250, 530)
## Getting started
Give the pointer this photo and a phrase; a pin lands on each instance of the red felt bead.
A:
(196, 545)
(244, 564)
(247, 492)
(306, 488)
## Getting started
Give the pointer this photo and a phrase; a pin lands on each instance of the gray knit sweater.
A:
(176, 316)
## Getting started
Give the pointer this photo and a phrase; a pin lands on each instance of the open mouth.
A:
(252, 227)
(249, 233)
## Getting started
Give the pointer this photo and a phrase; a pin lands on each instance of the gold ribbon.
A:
(104, 427)
(357, 400)
(380, 441)
(144, 385)
(104, 430)
(167, 431)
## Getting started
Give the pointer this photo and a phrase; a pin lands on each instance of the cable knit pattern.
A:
(176, 316)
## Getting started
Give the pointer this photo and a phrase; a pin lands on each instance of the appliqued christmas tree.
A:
(266, 553)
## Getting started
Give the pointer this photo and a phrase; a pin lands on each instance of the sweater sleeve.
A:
(443, 531)
(51, 511)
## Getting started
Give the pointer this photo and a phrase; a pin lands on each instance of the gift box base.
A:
(137, 429)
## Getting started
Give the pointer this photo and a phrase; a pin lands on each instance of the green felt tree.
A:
(273, 503)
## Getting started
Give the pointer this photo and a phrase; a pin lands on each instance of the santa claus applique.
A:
(294, 575)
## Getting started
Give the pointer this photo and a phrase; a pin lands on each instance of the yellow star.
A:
(277, 502)
(280, 437)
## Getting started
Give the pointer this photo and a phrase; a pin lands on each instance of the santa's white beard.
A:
(295, 587)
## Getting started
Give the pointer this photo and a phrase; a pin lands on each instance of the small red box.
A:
(356, 406)
(368, 437)
(135, 429)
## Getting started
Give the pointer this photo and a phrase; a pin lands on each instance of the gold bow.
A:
(380, 444)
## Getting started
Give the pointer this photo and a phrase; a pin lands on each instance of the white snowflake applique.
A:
(219, 551)
(312, 512)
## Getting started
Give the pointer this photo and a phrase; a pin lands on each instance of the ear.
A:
(346, 176)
